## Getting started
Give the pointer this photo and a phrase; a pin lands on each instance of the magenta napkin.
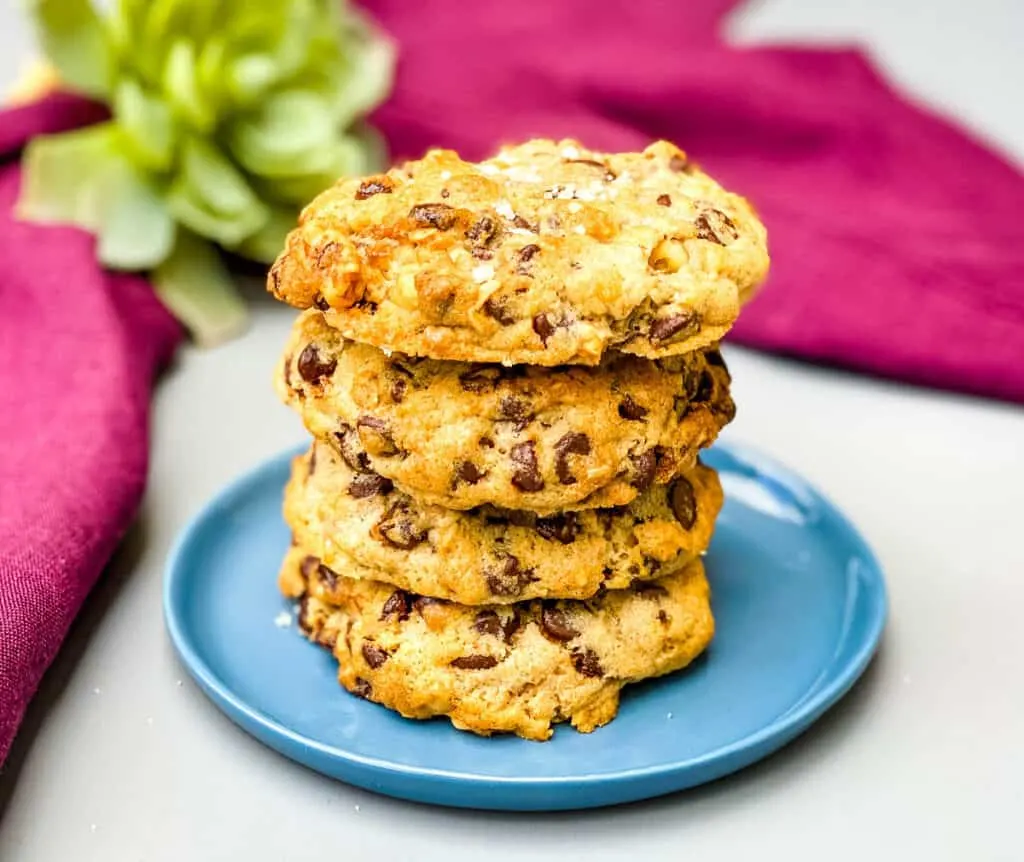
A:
(897, 240)
(78, 352)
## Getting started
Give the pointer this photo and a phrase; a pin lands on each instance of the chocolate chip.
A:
(328, 577)
(684, 502)
(397, 607)
(705, 389)
(544, 328)
(374, 186)
(374, 655)
(496, 307)
(483, 232)
(664, 200)
(312, 367)
(351, 449)
(680, 165)
(396, 529)
(308, 566)
(488, 623)
(380, 441)
(511, 626)
(509, 578)
(662, 617)
(439, 216)
(303, 615)
(715, 226)
(587, 663)
(486, 442)
(572, 443)
(525, 474)
(649, 589)
(369, 485)
(479, 378)
(362, 688)
(467, 472)
(321, 304)
(645, 466)
(629, 409)
(445, 193)
(473, 662)
(524, 256)
(512, 409)
(555, 624)
(523, 224)
(664, 329)
(561, 528)
(714, 357)
(421, 602)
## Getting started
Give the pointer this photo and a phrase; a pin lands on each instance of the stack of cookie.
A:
(509, 369)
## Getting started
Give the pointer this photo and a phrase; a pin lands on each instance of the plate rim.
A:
(779, 731)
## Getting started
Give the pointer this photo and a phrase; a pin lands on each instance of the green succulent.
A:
(226, 117)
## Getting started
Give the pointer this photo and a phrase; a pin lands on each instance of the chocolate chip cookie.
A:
(501, 669)
(548, 253)
(361, 526)
(543, 439)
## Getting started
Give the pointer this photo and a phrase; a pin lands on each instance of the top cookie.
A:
(546, 254)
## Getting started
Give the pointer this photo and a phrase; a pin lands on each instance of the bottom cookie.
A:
(503, 668)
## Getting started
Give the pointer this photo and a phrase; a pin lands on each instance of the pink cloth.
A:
(897, 241)
(78, 352)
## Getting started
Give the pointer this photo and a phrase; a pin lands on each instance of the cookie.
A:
(543, 439)
(546, 254)
(363, 527)
(502, 669)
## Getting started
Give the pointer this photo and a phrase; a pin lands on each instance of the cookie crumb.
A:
(283, 620)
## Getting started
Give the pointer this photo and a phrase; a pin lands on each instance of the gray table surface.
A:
(122, 758)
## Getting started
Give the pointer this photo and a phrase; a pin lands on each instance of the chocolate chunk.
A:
(680, 165)
(479, 378)
(320, 303)
(486, 442)
(649, 589)
(488, 623)
(376, 436)
(369, 485)
(328, 577)
(664, 329)
(308, 567)
(645, 466)
(396, 529)
(512, 409)
(715, 226)
(524, 256)
(561, 528)
(374, 186)
(473, 662)
(398, 388)
(525, 474)
(662, 617)
(312, 367)
(714, 357)
(705, 389)
(523, 224)
(303, 616)
(508, 578)
(629, 409)
(374, 655)
(511, 626)
(351, 449)
(684, 502)
(544, 328)
(439, 216)
(572, 443)
(467, 472)
(587, 663)
(397, 607)
(555, 624)
(496, 307)
(421, 602)
(362, 688)
(664, 200)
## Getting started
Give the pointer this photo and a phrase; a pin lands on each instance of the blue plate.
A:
(799, 600)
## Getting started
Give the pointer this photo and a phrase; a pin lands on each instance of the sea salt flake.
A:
(490, 170)
(574, 207)
(570, 153)
(483, 272)
(446, 175)
(579, 229)
(504, 209)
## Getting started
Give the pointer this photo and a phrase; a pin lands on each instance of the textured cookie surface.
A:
(361, 527)
(546, 254)
(542, 439)
(517, 669)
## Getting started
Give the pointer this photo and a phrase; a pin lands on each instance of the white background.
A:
(924, 760)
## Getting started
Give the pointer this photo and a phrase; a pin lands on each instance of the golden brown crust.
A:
(516, 669)
(543, 439)
(360, 527)
(546, 254)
